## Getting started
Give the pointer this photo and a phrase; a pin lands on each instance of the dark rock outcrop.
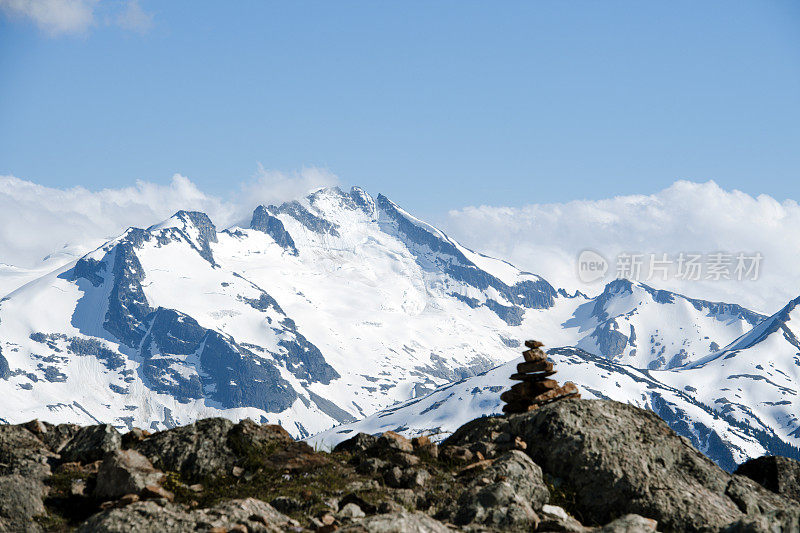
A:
(254, 515)
(263, 221)
(92, 443)
(21, 499)
(125, 472)
(611, 459)
(571, 466)
(778, 474)
(5, 369)
(505, 495)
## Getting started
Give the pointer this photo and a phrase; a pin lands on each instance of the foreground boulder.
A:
(92, 444)
(571, 466)
(22, 453)
(217, 446)
(233, 515)
(198, 449)
(778, 474)
(780, 521)
(402, 522)
(608, 459)
(21, 500)
(125, 472)
(506, 494)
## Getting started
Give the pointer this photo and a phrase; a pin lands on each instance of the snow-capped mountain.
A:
(756, 377)
(317, 312)
(320, 312)
(638, 325)
(728, 438)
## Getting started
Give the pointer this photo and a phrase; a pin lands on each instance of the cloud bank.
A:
(64, 17)
(686, 217)
(36, 221)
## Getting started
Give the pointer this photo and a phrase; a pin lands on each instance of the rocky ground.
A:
(574, 465)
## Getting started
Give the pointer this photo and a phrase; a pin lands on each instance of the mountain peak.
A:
(267, 223)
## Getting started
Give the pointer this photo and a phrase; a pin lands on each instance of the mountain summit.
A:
(323, 311)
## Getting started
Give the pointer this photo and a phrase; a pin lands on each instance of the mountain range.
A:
(344, 310)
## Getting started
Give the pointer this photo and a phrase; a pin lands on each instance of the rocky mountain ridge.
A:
(572, 466)
(340, 307)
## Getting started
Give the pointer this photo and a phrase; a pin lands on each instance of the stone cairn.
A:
(535, 388)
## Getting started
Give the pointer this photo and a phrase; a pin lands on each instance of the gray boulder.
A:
(554, 518)
(53, 436)
(198, 449)
(361, 442)
(780, 521)
(630, 523)
(778, 474)
(125, 472)
(505, 495)
(255, 515)
(402, 522)
(613, 459)
(216, 446)
(91, 444)
(21, 452)
(20, 501)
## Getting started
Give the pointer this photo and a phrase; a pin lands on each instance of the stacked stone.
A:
(535, 388)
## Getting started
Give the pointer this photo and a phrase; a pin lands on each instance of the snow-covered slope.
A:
(317, 312)
(722, 437)
(756, 379)
(12, 277)
(637, 325)
(322, 311)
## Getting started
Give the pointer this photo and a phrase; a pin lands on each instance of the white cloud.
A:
(686, 217)
(134, 18)
(542, 238)
(55, 17)
(64, 17)
(36, 220)
(273, 187)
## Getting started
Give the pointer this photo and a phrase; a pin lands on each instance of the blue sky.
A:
(437, 104)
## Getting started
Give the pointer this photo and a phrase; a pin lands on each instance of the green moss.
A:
(65, 511)
(53, 522)
(564, 496)
(311, 486)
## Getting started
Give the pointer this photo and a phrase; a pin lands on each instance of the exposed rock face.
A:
(92, 443)
(272, 226)
(613, 459)
(21, 499)
(778, 474)
(125, 472)
(571, 466)
(402, 522)
(254, 515)
(505, 495)
(216, 446)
